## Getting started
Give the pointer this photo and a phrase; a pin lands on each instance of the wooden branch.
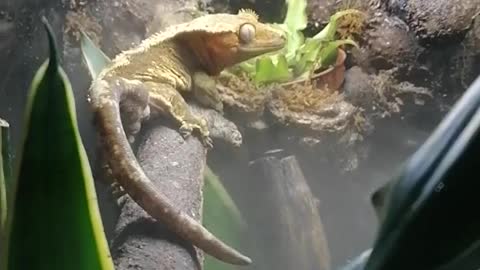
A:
(287, 210)
(176, 166)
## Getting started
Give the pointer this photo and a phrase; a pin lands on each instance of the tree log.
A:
(293, 236)
(176, 167)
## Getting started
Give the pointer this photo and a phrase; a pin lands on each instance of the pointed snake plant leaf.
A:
(5, 176)
(95, 59)
(55, 220)
(358, 263)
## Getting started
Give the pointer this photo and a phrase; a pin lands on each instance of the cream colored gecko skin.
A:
(154, 77)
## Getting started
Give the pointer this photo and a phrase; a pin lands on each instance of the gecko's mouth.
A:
(257, 48)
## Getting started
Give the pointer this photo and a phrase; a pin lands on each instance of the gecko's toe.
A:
(236, 138)
(219, 107)
(146, 113)
(131, 139)
(185, 130)
(207, 142)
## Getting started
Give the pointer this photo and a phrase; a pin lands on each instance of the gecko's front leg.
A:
(205, 91)
(167, 100)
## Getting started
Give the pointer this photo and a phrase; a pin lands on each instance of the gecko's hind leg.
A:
(168, 100)
(134, 106)
(134, 109)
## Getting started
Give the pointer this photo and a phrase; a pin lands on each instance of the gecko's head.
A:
(253, 38)
(229, 39)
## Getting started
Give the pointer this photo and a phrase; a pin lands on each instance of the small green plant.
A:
(50, 207)
(302, 55)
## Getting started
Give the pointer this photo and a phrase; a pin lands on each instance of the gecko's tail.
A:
(128, 172)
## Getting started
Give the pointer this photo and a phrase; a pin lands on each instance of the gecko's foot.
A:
(202, 127)
(133, 123)
(236, 138)
(218, 107)
(200, 124)
(207, 141)
(131, 138)
(185, 130)
(219, 128)
(134, 107)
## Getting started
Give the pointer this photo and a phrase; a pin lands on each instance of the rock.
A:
(381, 94)
(387, 44)
(357, 86)
(436, 20)
(464, 65)
(319, 11)
(453, 67)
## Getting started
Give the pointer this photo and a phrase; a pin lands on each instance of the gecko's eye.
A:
(246, 33)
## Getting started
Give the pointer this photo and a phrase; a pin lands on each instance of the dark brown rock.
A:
(387, 43)
(436, 20)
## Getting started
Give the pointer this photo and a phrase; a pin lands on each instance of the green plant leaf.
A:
(295, 21)
(294, 42)
(318, 55)
(221, 215)
(328, 54)
(247, 66)
(5, 176)
(307, 56)
(296, 17)
(267, 71)
(301, 56)
(55, 221)
(94, 58)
